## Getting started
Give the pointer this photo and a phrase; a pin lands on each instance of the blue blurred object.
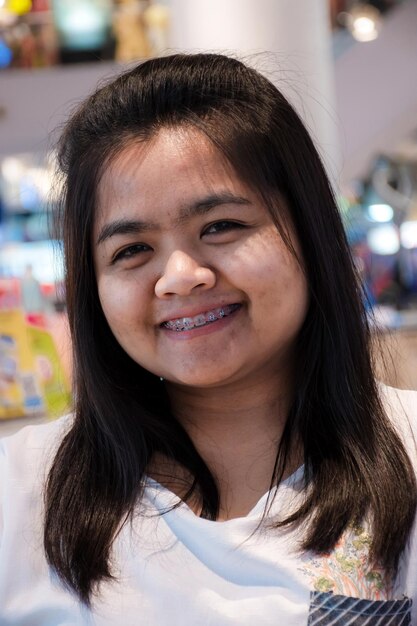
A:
(6, 54)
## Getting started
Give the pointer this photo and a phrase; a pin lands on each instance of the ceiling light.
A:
(383, 239)
(363, 21)
(408, 234)
(380, 212)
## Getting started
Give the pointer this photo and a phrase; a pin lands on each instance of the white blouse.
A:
(176, 569)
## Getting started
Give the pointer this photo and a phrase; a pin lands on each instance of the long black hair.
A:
(354, 461)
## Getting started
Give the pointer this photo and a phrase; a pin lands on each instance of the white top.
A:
(180, 570)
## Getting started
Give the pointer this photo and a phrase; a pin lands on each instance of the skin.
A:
(177, 234)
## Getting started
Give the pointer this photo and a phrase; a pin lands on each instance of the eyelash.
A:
(225, 226)
(137, 248)
(131, 251)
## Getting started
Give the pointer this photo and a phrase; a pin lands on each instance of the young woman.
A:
(230, 458)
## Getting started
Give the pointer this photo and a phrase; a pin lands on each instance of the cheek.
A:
(264, 262)
(275, 282)
(120, 304)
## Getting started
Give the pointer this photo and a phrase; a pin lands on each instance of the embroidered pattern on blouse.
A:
(346, 570)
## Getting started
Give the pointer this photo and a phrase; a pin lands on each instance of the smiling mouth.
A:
(203, 319)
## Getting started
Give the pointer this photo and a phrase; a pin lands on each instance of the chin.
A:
(198, 380)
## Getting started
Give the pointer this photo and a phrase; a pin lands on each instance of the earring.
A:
(161, 379)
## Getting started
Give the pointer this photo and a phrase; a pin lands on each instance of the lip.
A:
(200, 310)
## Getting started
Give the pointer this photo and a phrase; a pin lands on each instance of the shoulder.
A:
(25, 459)
(400, 404)
(24, 455)
(401, 408)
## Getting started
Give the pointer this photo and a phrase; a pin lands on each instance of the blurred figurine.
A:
(156, 19)
(131, 38)
(32, 297)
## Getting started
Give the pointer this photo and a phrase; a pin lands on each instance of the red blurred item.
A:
(36, 319)
(40, 5)
(9, 293)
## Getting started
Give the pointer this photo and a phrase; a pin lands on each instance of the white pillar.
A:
(287, 40)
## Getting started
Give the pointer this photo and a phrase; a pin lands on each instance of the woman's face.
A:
(193, 277)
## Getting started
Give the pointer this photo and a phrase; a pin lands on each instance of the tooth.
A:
(199, 320)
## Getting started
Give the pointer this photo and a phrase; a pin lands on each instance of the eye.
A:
(130, 252)
(222, 226)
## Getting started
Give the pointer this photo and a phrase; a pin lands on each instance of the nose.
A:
(182, 274)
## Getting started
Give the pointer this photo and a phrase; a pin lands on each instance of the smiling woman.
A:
(231, 458)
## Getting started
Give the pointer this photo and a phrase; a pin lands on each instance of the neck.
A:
(236, 429)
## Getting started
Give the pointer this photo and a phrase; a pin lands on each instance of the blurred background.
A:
(348, 66)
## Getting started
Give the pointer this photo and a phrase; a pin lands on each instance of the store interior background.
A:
(350, 69)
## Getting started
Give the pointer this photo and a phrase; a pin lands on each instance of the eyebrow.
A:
(201, 207)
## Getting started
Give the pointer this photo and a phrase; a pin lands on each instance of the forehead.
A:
(170, 167)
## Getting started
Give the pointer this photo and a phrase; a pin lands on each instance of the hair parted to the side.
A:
(355, 463)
